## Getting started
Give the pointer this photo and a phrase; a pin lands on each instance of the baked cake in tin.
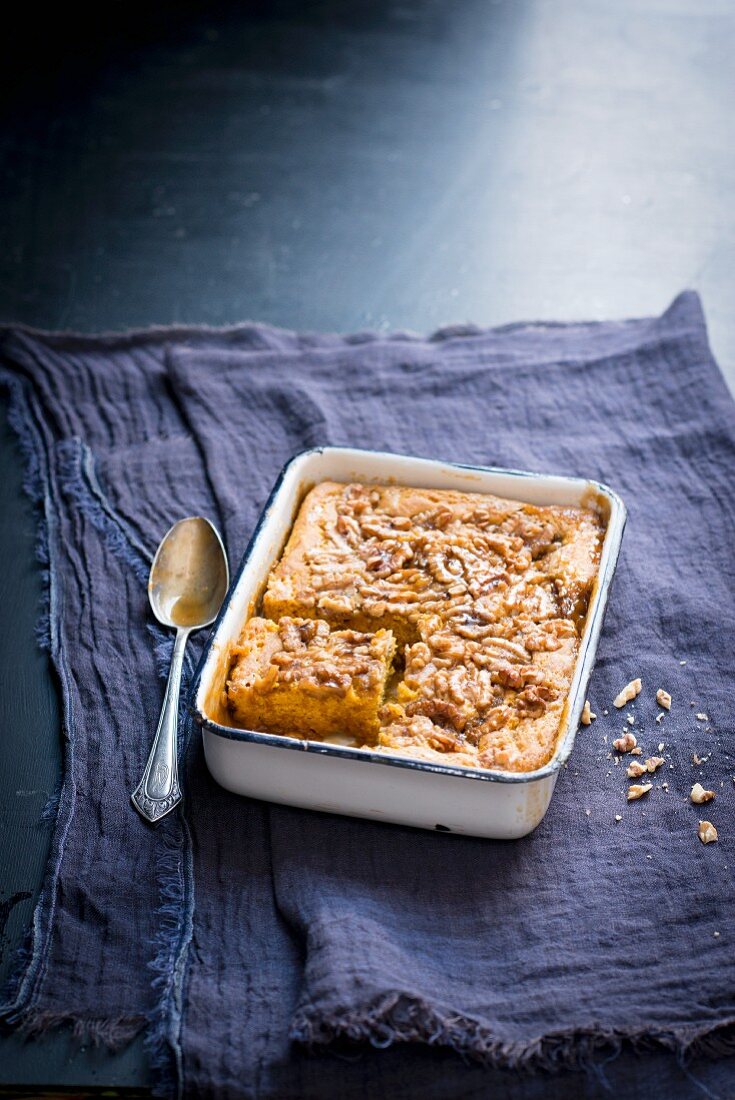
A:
(486, 599)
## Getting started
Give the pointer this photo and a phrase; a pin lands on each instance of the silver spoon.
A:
(188, 581)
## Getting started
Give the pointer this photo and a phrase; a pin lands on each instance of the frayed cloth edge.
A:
(261, 333)
(103, 1031)
(398, 1018)
(168, 965)
(77, 478)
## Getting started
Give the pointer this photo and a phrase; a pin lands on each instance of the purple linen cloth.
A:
(275, 936)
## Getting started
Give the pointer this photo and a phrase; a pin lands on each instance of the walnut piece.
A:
(636, 751)
(654, 762)
(701, 717)
(637, 790)
(699, 795)
(626, 743)
(587, 715)
(628, 693)
(635, 769)
(663, 699)
(707, 832)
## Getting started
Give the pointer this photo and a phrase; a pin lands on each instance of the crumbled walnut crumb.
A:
(630, 719)
(636, 752)
(701, 717)
(659, 716)
(715, 934)
(587, 715)
(626, 743)
(665, 785)
(588, 812)
(663, 699)
(635, 769)
(618, 817)
(699, 795)
(707, 832)
(661, 746)
(628, 693)
(637, 790)
(654, 762)
(682, 662)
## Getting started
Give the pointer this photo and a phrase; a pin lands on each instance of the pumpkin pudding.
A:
(486, 598)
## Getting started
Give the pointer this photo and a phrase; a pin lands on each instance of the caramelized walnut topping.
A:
(533, 700)
(487, 597)
(441, 712)
(328, 662)
(334, 605)
(508, 677)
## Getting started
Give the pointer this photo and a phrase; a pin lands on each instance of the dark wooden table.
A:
(336, 165)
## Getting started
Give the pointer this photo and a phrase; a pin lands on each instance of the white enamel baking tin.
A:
(358, 782)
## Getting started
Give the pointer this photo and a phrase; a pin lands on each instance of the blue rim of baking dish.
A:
(587, 655)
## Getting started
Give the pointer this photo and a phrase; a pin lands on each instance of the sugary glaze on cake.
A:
(298, 677)
(487, 598)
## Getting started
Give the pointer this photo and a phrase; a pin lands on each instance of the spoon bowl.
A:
(188, 582)
(189, 575)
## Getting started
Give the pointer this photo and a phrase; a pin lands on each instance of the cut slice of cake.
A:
(299, 678)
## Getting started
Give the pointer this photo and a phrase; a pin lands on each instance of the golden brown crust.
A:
(486, 596)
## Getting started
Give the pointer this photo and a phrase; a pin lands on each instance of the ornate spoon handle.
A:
(158, 791)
